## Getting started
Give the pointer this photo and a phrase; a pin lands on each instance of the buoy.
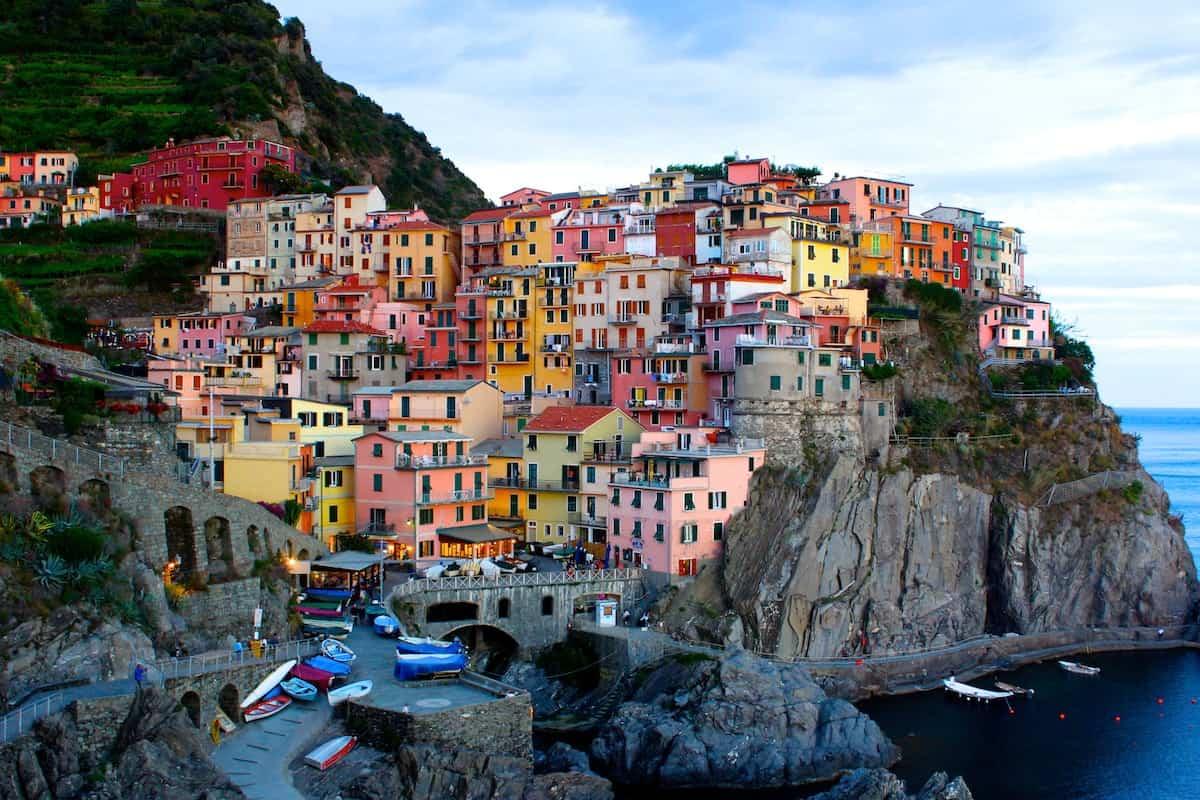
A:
(858, 662)
(1061, 715)
(1160, 701)
(1117, 718)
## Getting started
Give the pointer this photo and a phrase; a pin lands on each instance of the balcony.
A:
(519, 313)
(460, 496)
(471, 313)
(378, 529)
(622, 319)
(470, 360)
(714, 366)
(534, 486)
(652, 403)
(670, 377)
(471, 337)
(448, 364)
(512, 358)
(746, 340)
(587, 521)
(431, 462)
(556, 347)
(342, 374)
(499, 291)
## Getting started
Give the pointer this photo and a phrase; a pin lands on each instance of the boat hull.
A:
(266, 708)
(410, 645)
(268, 683)
(386, 626)
(411, 666)
(331, 752)
(313, 676)
(328, 664)
(298, 689)
(350, 691)
(337, 651)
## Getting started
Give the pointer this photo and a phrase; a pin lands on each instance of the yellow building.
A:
(527, 238)
(555, 445)
(419, 260)
(872, 255)
(334, 492)
(663, 190)
(325, 426)
(470, 407)
(299, 299)
(506, 508)
(82, 205)
(820, 257)
(838, 302)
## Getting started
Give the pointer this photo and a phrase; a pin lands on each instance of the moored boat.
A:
(317, 677)
(386, 625)
(266, 708)
(410, 666)
(350, 691)
(972, 692)
(417, 644)
(268, 683)
(1008, 687)
(1079, 669)
(298, 689)
(319, 613)
(326, 755)
(328, 664)
(337, 651)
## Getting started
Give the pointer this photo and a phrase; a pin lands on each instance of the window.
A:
(532, 502)
(531, 442)
(344, 338)
(819, 389)
(747, 357)
(429, 240)
(547, 605)
(824, 359)
(689, 501)
(572, 504)
(616, 529)
(502, 608)
(800, 383)
(377, 450)
(333, 513)
(845, 383)
(776, 383)
(333, 477)
(558, 237)
(377, 483)
(716, 500)
(572, 444)
(688, 533)
(718, 531)
(478, 512)
(882, 410)
(425, 516)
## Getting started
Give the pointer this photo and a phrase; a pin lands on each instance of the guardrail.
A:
(512, 579)
(190, 666)
(21, 721)
(59, 450)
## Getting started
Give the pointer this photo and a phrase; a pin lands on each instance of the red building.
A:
(675, 229)
(960, 257)
(836, 211)
(207, 173)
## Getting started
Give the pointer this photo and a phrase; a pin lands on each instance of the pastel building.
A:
(200, 334)
(922, 248)
(669, 508)
(425, 493)
(482, 238)
(474, 408)
(325, 426)
(1016, 329)
(664, 384)
(343, 355)
(81, 206)
(869, 198)
(714, 288)
(586, 234)
(22, 209)
(335, 506)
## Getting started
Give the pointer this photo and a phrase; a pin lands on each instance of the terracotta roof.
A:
(351, 289)
(409, 225)
(567, 419)
(748, 161)
(536, 212)
(342, 326)
(488, 214)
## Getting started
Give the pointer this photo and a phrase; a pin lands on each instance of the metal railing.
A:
(59, 450)
(21, 721)
(189, 666)
(403, 461)
(512, 579)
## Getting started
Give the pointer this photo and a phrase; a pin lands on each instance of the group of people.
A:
(643, 620)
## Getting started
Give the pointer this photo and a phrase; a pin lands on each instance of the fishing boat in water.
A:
(417, 644)
(970, 692)
(350, 691)
(1079, 669)
(1008, 687)
(326, 755)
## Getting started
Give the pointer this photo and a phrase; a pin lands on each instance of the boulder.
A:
(879, 784)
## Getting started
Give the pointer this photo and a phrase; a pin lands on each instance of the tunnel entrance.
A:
(491, 650)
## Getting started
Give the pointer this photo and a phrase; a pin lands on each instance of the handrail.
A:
(60, 450)
(507, 580)
(21, 721)
(191, 666)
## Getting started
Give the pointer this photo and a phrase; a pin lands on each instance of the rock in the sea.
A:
(561, 757)
(427, 773)
(745, 722)
(879, 784)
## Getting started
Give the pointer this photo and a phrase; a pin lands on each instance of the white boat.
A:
(1079, 669)
(973, 692)
(337, 651)
(351, 691)
(326, 755)
(268, 683)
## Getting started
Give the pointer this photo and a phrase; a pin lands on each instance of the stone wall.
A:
(503, 726)
(97, 722)
(15, 350)
(223, 607)
(145, 445)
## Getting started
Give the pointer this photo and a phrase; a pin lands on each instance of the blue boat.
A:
(415, 644)
(298, 689)
(328, 594)
(410, 666)
(329, 665)
(386, 626)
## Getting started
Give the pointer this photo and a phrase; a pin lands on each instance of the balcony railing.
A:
(342, 374)
(520, 313)
(622, 319)
(534, 485)
(512, 358)
(670, 377)
(378, 529)
(587, 520)
(460, 496)
(746, 340)
(637, 402)
(423, 462)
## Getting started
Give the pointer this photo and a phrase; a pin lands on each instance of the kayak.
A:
(266, 708)
(268, 683)
(326, 755)
(415, 644)
(328, 664)
(337, 651)
(299, 689)
(350, 691)
(386, 626)
(410, 666)
(311, 675)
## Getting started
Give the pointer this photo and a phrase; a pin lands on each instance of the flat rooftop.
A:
(425, 697)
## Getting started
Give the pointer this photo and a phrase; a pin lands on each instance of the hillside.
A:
(112, 78)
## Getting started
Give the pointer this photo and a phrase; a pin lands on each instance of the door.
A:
(513, 506)
(528, 383)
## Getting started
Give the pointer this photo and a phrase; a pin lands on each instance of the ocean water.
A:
(1170, 451)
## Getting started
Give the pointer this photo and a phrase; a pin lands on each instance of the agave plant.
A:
(51, 572)
(37, 526)
(71, 518)
(94, 570)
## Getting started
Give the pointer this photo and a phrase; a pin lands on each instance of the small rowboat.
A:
(1079, 669)
(298, 689)
(337, 651)
(972, 692)
(329, 665)
(386, 625)
(1008, 687)
(268, 683)
(311, 675)
(320, 613)
(351, 691)
(330, 624)
(266, 708)
(415, 644)
(333, 751)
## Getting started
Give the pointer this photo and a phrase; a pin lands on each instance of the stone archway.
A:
(491, 648)
(181, 540)
(303, 555)
(191, 704)
(96, 494)
(48, 485)
(254, 541)
(9, 477)
(228, 701)
(219, 542)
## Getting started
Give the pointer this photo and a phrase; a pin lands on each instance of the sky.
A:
(1077, 121)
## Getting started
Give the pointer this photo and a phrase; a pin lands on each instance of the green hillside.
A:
(111, 78)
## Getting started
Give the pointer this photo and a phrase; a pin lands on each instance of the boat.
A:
(328, 664)
(266, 708)
(337, 651)
(327, 624)
(328, 605)
(351, 691)
(326, 631)
(328, 594)
(973, 692)
(299, 689)
(1008, 687)
(417, 644)
(317, 677)
(386, 626)
(268, 683)
(326, 755)
(410, 666)
(1079, 669)
(319, 613)
(376, 610)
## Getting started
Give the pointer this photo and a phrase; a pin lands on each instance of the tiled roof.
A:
(533, 212)
(501, 448)
(361, 189)
(488, 214)
(342, 326)
(568, 419)
(438, 386)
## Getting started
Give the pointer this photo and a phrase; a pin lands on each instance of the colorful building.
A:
(20, 210)
(870, 199)
(339, 356)
(81, 206)
(474, 408)
(1015, 329)
(334, 494)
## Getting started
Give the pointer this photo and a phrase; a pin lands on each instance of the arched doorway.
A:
(491, 650)
(95, 493)
(48, 485)
(228, 701)
(253, 541)
(303, 554)
(219, 542)
(191, 704)
(181, 541)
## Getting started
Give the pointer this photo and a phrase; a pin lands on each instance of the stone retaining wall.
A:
(15, 350)
(222, 607)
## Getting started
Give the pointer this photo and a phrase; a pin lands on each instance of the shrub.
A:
(1133, 492)
(930, 416)
(879, 372)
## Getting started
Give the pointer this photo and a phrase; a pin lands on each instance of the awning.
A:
(475, 534)
(346, 561)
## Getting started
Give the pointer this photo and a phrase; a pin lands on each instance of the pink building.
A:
(668, 510)
(185, 377)
(586, 233)
(869, 198)
(522, 196)
(715, 288)
(1016, 329)
(662, 385)
(205, 334)
(351, 301)
(430, 337)
(424, 492)
(723, 336)
(748, 170)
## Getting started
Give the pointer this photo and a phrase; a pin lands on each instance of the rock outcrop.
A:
(879, 784)
(738, 722)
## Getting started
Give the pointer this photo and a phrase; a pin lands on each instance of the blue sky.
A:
(1078, 121)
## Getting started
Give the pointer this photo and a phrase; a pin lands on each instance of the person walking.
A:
(139, 675)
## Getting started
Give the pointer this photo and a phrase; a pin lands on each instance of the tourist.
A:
(644, 622)
(139, 675)
(625, 618)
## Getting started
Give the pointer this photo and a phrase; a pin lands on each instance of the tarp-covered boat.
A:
(410, 666)
(268, 683)
(317, 677)
(328, 664)
(327, 594)
(320, 613)
(326, 755)
(416, 644)
(386, 626)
